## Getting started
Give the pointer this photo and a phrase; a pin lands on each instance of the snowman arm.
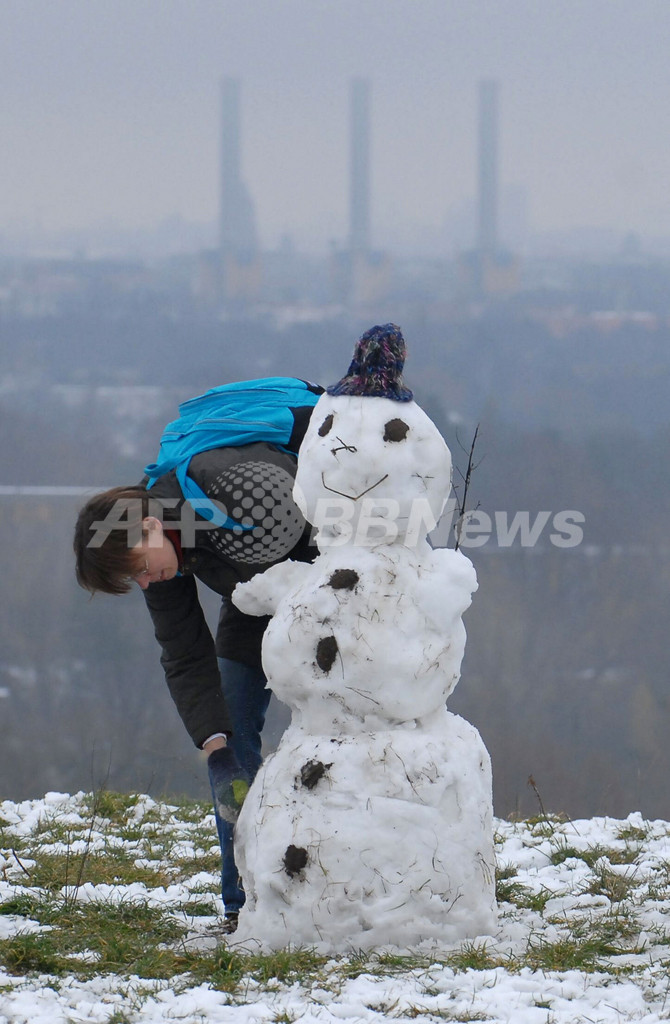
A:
(261, 594)
(456, 566)
(453, 581)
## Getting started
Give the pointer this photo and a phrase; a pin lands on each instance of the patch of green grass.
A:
(121, 810)
(32, 953)
(626, 856)
(660, 933)
(50, 830)
(105, 803)
(472, 956)
(162, 844)
(567, 954)
(184, 866)
(564, 851)
(521, 896)
(212, 888)
(356, 964)
(612, 884)
(131, 939)
(537, 900)
(126, 937)
(194, 811)
(381, 964)
(657, 890)
(394, 963)
(130, 832)
(299, 964)
(543, 825)
(510, 892)
(225, 968)
(13, 845)
(459, 1018)
(632, 833)
(193, 909)
(592, 854)
(618, 925)
(21, 905)
(179, 812)
(587, 948)
(114, 867)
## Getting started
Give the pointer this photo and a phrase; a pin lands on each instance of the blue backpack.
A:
(228, 416)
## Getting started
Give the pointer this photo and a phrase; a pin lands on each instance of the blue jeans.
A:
(247, 696)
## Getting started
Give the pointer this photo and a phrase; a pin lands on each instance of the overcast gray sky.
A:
(109, 108)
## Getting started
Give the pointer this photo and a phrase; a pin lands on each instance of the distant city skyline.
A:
(110, 114)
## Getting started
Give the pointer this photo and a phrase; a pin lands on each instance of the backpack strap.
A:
(203, 505)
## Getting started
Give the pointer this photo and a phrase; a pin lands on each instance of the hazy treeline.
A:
(569, 373)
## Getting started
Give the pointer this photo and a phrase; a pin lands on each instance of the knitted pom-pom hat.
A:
(376, 368)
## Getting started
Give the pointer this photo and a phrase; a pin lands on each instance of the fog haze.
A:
(547, 333)
(110, 111)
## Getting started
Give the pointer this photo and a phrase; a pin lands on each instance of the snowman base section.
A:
(383, 839)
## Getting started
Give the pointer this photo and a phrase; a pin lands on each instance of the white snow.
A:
(545, 857)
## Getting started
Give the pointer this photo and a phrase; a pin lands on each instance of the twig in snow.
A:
(22, 866)
(531, 783)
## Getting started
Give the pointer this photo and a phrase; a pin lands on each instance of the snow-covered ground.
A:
(584, 929)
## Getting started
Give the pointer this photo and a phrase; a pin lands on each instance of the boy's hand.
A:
(229, 782)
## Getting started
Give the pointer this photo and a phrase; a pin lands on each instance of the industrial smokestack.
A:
(237, 228)
(487, 228)
(359, 194)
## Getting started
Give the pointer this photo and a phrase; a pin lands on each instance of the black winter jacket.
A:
(255, 480)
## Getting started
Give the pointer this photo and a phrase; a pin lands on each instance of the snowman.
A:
(371, 824)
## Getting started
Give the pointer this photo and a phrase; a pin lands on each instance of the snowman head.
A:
(373, 468)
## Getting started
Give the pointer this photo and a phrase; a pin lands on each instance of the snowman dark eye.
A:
(326, 425)
(395, 430)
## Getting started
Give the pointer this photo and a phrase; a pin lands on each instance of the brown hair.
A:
(107, 528)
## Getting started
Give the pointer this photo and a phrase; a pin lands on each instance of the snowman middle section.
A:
(371, 824)
(367, 638)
